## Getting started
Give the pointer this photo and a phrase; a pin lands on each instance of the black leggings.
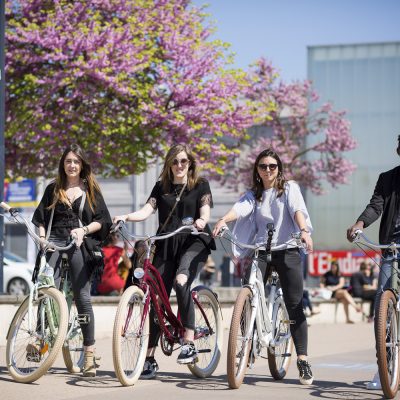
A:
(189, 263)
(80, 279)
(287, 264)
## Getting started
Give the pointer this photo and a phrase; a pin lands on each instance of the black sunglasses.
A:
(264, 167)
(182, 161)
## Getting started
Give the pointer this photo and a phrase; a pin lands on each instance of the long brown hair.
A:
(91, 185)
(167, 177)
(280, 181)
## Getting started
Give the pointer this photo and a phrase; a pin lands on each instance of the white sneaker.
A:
(375, 384)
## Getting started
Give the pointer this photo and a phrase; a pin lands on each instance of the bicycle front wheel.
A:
(35, 338)
(208, 333)
(129, 338)
(72, 349)
(240, 339)
(387, 350)
(280, 355)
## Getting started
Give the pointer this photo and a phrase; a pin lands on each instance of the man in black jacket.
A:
(384, 202)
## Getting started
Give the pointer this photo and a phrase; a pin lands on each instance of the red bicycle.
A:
(131, 325)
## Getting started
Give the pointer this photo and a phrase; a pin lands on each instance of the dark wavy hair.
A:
(86, 175)
(280, 181)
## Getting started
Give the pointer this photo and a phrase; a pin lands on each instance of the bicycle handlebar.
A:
(122, 226)
(358, 234)
(17, 217)
(260, 246)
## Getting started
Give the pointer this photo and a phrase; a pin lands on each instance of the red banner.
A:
(349, 261)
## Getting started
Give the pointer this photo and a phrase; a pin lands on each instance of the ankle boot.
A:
(89, 364)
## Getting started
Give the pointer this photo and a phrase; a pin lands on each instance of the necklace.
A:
(177, 192)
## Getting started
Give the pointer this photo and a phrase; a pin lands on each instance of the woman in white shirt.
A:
(272, 199)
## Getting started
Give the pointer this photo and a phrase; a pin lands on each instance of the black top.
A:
(357, 282)
(331, 279)
(386, 202)
(66, 218)
(189, 206)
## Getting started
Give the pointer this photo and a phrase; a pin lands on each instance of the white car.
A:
(17, 274)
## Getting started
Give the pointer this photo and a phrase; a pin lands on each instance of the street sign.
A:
(21, 193)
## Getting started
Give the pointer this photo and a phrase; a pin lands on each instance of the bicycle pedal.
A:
(204, 351)
(83, 319)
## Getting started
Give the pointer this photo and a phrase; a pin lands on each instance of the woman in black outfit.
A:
(180, 258)
(62, 198)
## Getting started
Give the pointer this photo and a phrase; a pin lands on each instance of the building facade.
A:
(364, 80)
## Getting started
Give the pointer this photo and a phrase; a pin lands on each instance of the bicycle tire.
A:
(19, 361)
(209, 346)
(387, 351)
(238, 347)
(279, 357)
(72, 350)
(129, 344)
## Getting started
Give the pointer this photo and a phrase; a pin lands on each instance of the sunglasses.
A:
(264, 167)
(182, 161)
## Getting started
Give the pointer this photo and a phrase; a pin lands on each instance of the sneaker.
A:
(305, 374)
(150, 368)
(375, 384)
(188, 354)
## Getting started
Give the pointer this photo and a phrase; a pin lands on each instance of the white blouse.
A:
(253, 217)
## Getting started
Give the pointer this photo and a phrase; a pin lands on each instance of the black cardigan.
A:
(100, 214)
(385, 201)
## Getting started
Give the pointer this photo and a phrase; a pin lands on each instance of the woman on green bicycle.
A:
(273, 199)
(180, 193)
(57, 217)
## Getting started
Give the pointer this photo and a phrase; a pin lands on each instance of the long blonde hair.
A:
(88, 178)
(167, 177)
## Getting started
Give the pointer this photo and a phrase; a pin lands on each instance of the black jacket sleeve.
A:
(41, 216)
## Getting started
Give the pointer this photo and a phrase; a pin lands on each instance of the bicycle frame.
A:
(155, 293)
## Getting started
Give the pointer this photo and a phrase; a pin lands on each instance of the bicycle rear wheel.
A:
(279, 357)
(31, 350)
(129, 340)
(72, 349)
(240, 339)
(208, 337)
(387, 350)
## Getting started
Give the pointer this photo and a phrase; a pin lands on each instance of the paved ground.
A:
(342, 358)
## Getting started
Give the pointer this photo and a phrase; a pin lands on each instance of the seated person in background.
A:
(364, 285)
(334, 281)
(309, 309)
(111, 282)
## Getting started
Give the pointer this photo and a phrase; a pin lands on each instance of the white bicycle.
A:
(260, 320)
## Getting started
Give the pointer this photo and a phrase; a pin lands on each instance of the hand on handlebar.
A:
(218, 227)
(351, 232)
(118, 218)
(200, 224)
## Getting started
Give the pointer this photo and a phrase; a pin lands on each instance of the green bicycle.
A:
(46, 321)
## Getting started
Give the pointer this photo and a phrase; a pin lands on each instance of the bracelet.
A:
(202, 219)
(221, 219)
(304, 230)
(85, 230)
(42, 237)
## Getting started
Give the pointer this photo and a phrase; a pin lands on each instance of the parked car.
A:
(17, 274)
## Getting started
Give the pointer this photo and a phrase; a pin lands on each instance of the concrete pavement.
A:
(342, 358)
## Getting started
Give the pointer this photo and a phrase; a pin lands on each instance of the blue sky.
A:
(281, 30)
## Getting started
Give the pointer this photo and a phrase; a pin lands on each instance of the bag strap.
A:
(178, 198)
(81, 208)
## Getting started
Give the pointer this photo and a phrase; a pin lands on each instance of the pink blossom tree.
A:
(123, 78)
(310, 138)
